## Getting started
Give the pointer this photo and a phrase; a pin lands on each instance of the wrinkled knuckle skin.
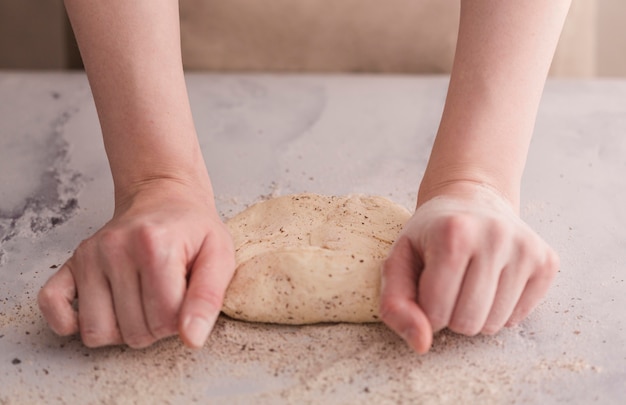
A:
(161, 330)
(389, 310)
(95, 338)
(467, 328)
(46, 300)
(491, 330)
(438, 322)
(139, 341)
(207, 297)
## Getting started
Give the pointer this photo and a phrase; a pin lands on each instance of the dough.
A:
(309, 258)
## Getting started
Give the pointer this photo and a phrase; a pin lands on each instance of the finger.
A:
(480, 284)
(475, 297)
(536, 288)
(398, 299)
(55, 301)
(210, 275)
(162, 290)
(510, 287)
(446, 258)
(127, 301)
(98, 326)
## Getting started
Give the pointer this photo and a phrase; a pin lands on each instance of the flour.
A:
(248, 362)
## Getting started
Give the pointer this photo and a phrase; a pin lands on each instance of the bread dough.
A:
(309, 258)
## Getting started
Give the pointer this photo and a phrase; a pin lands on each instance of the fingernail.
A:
(197, 330)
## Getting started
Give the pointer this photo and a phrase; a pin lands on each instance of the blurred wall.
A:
(611, 35)
(403, 36)
(35, 34)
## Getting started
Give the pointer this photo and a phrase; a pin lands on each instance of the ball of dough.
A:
(309, 258)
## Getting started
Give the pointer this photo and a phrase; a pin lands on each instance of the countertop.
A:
(265, 135)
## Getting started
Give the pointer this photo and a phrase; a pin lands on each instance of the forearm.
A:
(131, 51)
(504, 51)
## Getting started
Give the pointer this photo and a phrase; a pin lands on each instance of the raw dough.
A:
(309, 258)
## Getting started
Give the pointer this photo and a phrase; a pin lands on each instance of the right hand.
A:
(159, 267)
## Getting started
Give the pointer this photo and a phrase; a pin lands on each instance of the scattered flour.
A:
(246, 362)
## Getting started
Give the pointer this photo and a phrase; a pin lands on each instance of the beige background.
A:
(611, 37)
(247, 35)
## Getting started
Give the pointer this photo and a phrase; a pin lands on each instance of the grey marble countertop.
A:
(270, 135)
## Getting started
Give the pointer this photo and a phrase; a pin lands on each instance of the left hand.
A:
(464, 261)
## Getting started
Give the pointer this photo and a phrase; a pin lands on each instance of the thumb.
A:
(398, 300)
(56, 300)
(210, 275)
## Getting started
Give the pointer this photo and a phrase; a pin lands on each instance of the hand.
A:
(130, 278)
(465, 261)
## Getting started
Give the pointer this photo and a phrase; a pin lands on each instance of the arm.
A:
(503, 55)
(131, 276)
(465, 260)
(132, 56)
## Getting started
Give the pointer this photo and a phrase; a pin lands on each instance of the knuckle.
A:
(93, 338)
(46, 298)
(63, 327)
(546, 268)
(552, 262)
(152, 243)
(400, 249)
(163, 330)
(491, 329)
(92, 341)
(465, 327)
(149, 235)
(390, 265)
(499, 234)
(389, 309)
(521, 311)
(139, 341)
(455, 233)
(438, 321)
(163, 327)
(84, 251)
(110, 240)
(524, 249)
(206, 297)
(49, 302)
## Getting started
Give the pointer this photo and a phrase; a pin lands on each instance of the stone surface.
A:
(271, 135)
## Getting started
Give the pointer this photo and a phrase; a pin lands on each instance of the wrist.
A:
(155, 159)
(165, 187)
(469, 188)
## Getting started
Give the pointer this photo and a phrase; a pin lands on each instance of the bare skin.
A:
(464, 260)
(165, 226)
